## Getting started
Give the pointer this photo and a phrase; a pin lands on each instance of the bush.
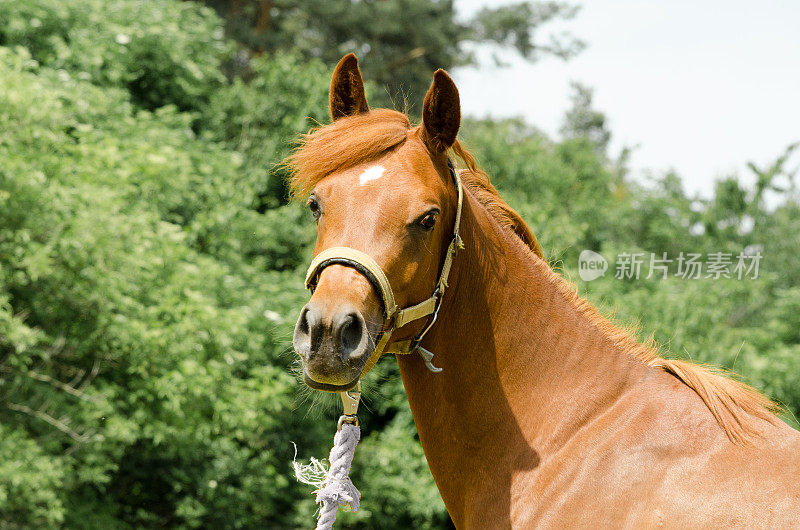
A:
(163, 52)
(143, 366)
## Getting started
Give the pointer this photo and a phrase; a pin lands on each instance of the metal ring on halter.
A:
(421, 334)
(345, 418)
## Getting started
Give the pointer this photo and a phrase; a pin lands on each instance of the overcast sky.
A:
(700, 86)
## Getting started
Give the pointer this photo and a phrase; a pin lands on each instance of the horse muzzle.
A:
(336, 332)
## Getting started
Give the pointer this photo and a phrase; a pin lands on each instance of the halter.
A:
(394, 316)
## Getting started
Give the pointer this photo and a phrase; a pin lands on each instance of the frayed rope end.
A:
(313, 473)
(333, 484)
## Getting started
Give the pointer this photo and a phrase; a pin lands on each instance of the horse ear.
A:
(347, 89)
(441, 113)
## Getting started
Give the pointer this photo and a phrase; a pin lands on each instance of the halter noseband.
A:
(394, 316)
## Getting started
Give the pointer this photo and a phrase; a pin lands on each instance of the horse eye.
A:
(428, 220)
(313, 205)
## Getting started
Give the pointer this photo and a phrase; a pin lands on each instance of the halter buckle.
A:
(438, 294)
(350, 400)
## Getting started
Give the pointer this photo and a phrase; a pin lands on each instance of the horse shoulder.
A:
(659, 458)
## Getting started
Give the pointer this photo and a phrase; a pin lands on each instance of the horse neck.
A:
(523, 367)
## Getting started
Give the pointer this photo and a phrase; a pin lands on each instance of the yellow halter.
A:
(394, 316)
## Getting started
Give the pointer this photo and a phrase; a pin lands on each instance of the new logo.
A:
(591, 265)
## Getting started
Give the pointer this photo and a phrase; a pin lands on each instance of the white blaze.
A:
(371, 173)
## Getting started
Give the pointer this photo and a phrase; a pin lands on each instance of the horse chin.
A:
(329, 387)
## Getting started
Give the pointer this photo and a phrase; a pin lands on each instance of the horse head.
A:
(385, 200)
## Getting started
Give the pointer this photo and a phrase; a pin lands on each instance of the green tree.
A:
(401, 42)
(583, 121)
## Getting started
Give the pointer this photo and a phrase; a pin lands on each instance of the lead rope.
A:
(336, 488)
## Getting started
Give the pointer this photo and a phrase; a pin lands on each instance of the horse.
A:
(543, 413)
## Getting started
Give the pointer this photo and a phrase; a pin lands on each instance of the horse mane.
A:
(355, 139)
(736, 406)
(485, 193)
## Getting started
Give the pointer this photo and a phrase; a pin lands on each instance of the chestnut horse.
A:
(544, 414)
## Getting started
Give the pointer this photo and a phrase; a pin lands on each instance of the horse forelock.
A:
(344, 143)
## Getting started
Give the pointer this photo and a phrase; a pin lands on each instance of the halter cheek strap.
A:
(394, 317)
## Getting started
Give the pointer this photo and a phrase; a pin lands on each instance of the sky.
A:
(700, 87)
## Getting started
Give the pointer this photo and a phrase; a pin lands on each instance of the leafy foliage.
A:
(151, 271)
(162, 52)
(401, 42)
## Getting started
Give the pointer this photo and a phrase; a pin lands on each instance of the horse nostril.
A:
(307, 333)
(350, 334)
(302, 322)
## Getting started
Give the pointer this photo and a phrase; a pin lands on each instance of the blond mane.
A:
(355, 139)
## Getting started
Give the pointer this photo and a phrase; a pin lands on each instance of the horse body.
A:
(544, 413)
(662, 462)
(539, 419)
